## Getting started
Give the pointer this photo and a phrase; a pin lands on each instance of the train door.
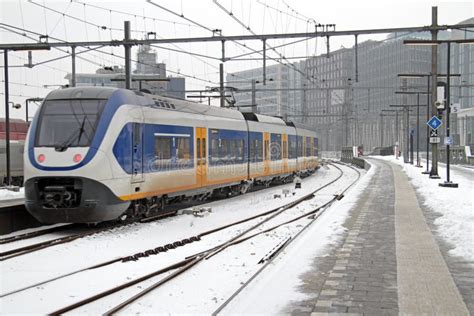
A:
(266, 153)
(284, 154)
(137, 153)
(201, 154)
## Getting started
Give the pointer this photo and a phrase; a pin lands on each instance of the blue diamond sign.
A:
(434, 122)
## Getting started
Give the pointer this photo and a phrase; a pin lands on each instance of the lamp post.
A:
(447, 183)
(7, 101)
(407, 129)
(417, 121)
(428, 92)
(397, 130)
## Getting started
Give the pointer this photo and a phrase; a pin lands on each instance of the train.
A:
(18, 131)
(97, 154)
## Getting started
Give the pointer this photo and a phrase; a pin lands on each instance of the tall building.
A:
(283, 83)
(351, 105)
(148, 76)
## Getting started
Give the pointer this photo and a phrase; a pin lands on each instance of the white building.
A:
(149, 76)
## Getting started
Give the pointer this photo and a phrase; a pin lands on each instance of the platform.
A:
(14, 216)
(389, 261)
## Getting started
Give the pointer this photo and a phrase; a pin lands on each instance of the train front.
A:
(66, 163)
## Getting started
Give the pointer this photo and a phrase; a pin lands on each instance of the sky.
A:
(82, 20)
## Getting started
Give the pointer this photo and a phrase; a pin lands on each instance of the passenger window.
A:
(183, 147)
(198, 148)
(163, 147)
(204, 153)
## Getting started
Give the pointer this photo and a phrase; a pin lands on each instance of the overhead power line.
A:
(88, 51)
(132, 14)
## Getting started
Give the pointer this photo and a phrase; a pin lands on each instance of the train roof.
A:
(81, 93)
(167, 103)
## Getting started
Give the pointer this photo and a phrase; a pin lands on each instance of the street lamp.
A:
(7, 101)
(407, 132)
(417, 122)
(397, 130)
(428, 76)
(447, 183)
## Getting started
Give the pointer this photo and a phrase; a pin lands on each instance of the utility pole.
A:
(418, 130)
(128, 64)
(381, 129)
(427, 128)
(264, 62)
(434, 90)
(221, 76)
(73, 70)
(7, 116)
(254, 97)
(406, 155)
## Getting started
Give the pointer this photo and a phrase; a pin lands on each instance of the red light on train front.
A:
(77, 157)
(41, 158)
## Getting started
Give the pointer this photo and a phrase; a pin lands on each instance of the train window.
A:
(198, 149)
(215, 149)
(308, 147)
(254, 149)
(163, 147)
(275, 147)
(292, 146)
(224, 149)
(183, 145)
(204, 152)
(66, 123)
(238, 152)
(300, 146)
(259, 149)
(267, 147)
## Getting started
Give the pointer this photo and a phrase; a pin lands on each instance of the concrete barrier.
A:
(458, 155)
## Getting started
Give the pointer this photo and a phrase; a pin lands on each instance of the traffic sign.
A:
(433, 133)
(455, 108)
(448, 140)
(434, 122)
(435, 140)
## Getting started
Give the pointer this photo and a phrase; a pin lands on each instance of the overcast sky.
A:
(83, 22)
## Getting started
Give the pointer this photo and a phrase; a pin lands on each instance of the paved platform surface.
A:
(389, 262)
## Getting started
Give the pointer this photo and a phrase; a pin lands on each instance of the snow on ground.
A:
(11, 195)
(279, 285)
(455, 205)
(39, 266)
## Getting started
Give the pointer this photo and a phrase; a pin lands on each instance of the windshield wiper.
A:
(68, 142)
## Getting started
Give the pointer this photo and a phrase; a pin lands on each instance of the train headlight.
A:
(41, 158)
(77, 157)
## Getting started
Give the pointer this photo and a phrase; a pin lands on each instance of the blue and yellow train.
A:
(96, 154)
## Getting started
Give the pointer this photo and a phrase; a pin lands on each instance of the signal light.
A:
(77, 158)
(41, 158)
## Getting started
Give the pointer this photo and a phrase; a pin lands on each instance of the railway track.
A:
(269, 259)
(35, 233)
(182, 266)
(13, 253)
(148, 252)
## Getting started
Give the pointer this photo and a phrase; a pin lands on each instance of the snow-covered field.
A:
(454, 205)
(200, 290)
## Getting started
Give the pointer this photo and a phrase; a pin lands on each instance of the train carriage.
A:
(96, 154)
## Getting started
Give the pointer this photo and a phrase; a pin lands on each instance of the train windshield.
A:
(68, 123)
